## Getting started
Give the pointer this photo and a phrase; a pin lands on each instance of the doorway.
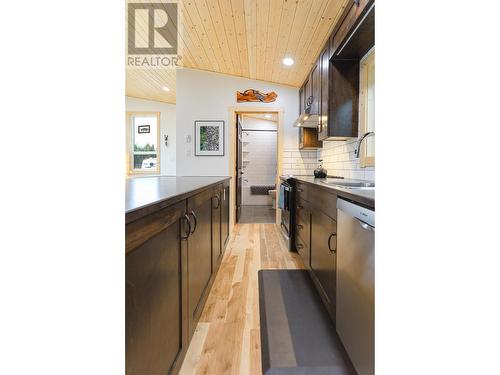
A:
(256, 167)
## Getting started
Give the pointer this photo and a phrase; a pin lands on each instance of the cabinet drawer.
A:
(139, 231)
(303, 250)
(324, 200)
(301, 191)
(303, 226)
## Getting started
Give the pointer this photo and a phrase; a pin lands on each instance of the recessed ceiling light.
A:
(288, 61)
(165, 88)
(268, 116)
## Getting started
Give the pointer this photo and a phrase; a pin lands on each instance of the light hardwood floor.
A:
(227, 338)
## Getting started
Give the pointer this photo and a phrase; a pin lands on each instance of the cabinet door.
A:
(323, 119)
(225, 217)
(315, 88)
(216, 227)
(301, 100)
(308, 92)
(323, 261)
(155, 311)
(199, 254)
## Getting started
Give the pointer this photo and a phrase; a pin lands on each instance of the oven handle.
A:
(284, 228)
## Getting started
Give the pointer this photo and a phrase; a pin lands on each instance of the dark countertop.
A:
(144, 192)
(365, 197)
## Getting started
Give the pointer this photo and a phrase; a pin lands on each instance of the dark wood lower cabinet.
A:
(199, 254)
(172, 256)
(316, 238)
(216, 228)
(225, 215)
(156, 324)
(303, 230)
(323, 258)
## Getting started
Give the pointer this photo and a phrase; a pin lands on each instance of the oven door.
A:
(285, 205)
(285, 224)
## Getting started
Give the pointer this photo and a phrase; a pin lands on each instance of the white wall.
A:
(167, 127)
(208, 96)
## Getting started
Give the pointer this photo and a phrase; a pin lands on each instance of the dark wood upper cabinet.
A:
(324, 61)
(356, 34)
(334, 80)
(308, 139)
(302, 92)
(315, 89)
(307, 92)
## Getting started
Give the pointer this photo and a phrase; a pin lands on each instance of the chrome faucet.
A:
(358, 147)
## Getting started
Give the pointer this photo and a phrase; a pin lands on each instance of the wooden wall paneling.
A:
(286, 26)
(199, 29)
(324, 28)
(246, 38)
(272, 37)
(251, 34)
(238, 10)
(214, 25)
(227, 18)
(301, 16)
(262, 26)
(195, 46)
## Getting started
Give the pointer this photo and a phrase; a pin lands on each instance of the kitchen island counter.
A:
(144, 195)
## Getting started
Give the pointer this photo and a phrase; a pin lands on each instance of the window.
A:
(367, 108)
(143, 139)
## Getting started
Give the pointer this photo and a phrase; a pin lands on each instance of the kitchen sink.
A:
(361, 185)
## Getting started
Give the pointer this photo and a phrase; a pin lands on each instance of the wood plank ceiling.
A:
(246, 38)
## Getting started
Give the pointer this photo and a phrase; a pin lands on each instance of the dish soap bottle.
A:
(320, 172)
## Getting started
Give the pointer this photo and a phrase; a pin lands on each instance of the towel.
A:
(261, 189)
(281, 198)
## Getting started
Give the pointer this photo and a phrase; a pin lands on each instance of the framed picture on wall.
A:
(209, 138)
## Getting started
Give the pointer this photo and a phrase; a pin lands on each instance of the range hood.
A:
(307, 120)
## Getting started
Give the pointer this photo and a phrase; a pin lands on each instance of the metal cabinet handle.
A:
(300, 226)
(329, 244)
(218, 201)
(300, 246)
(299, 207)
(300, 190)
(195, 221)
(186, 217)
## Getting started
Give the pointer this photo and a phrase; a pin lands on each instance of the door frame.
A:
(232, 153)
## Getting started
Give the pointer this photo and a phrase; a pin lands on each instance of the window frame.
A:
(130, 144)
(367, 62)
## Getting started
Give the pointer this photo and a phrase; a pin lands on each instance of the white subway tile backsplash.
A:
(338, 159)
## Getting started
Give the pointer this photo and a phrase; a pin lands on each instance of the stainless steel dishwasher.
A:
(355, 292)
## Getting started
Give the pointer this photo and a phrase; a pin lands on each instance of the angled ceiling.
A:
(247, 38)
